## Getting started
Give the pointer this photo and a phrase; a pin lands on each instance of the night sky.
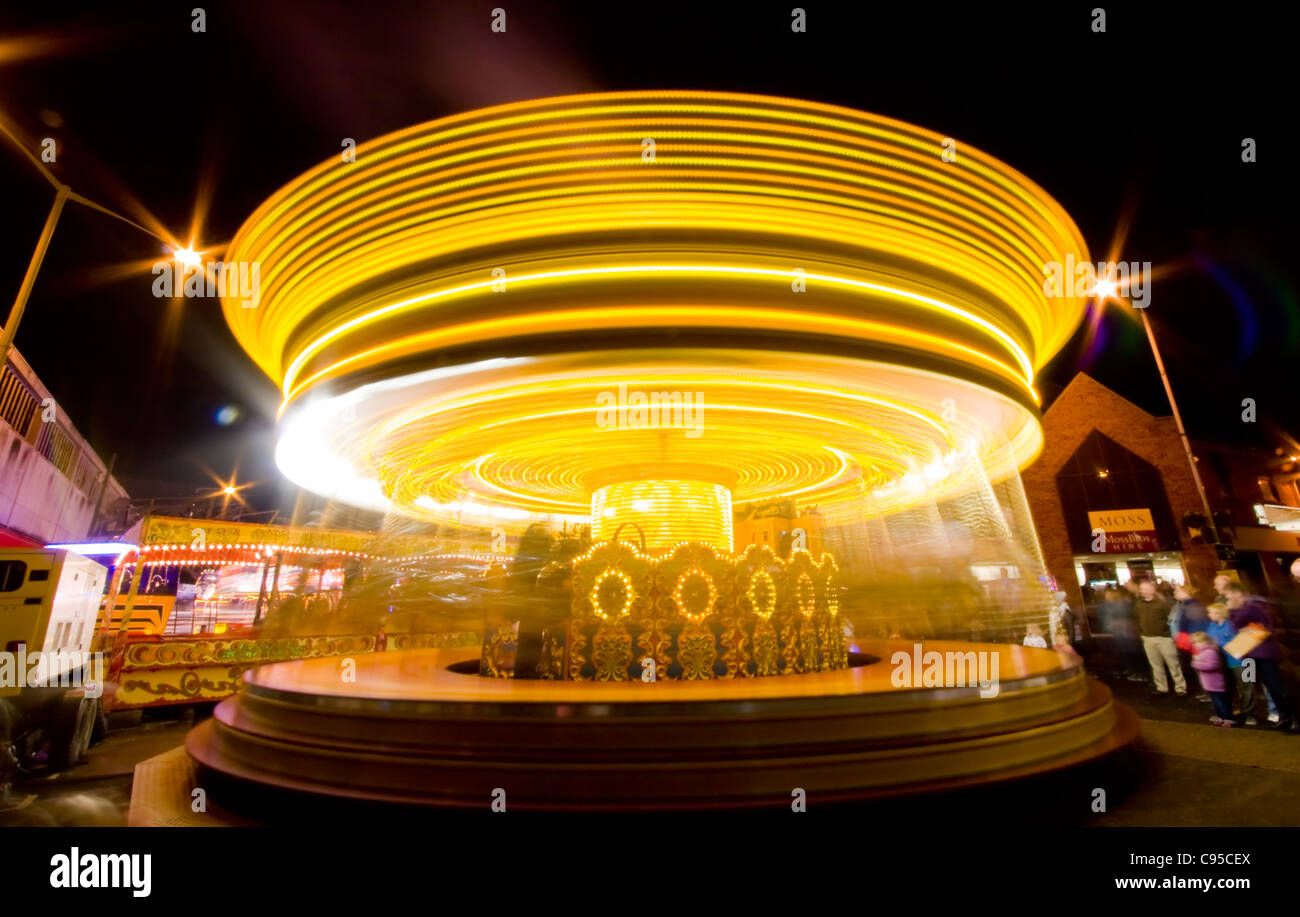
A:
(1141, 125)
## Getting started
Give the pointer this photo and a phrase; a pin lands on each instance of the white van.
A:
(50, 683)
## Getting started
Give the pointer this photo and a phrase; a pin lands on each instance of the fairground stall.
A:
(193, 603)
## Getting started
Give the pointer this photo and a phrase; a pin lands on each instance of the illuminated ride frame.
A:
(692, 613)
(643, 308)
(162, 655)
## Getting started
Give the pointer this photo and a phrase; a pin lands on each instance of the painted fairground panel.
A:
(218, 598)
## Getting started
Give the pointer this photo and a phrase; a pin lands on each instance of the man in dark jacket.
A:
(1191, 615)
(1153, 623)
(1188, 617)
(1248, 609)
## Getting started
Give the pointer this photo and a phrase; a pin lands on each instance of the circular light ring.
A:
(679, 600)
(392, 258)
(508, 441)
(628, 594)
(764, 579)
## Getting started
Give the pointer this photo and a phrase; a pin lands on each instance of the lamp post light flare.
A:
(188, 257)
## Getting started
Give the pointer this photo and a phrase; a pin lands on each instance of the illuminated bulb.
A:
(188, 257)
(627, 595)
(680, 599)
(764, 607)
(805, 596)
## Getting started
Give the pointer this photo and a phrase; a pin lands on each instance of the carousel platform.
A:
(414, 730)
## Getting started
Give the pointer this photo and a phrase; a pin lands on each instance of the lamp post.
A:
(1178, 421)
(33, 268)
(63, 193)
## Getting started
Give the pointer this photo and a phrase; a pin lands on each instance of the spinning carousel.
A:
(651, 315)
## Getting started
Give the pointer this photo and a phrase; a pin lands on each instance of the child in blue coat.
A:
(1221, 632)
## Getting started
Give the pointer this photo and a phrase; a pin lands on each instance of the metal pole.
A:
(261, 592)
(275, 582)
(1182, 431)
(137, 575)
(29, 279)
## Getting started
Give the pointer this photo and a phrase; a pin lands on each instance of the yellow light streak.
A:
(539, 229)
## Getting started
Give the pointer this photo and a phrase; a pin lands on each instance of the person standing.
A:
(1116, 614)
(1034, 636)
(1153, 624)
(1065, 619)
(1209, 670)
(1187, 618)
(1245, 610)
(1191, 617)
(1221, 588)
(1289, 600)
(1221, 632)
(1247, 691)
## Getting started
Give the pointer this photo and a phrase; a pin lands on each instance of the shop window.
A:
(1102, 475)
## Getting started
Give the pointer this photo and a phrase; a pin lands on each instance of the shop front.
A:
(1125, 547)
(1108, 495)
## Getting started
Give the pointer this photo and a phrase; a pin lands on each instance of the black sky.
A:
(1146, 119)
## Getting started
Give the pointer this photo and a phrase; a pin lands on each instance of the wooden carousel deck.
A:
(411, 730)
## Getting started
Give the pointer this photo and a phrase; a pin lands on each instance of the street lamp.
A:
(63, 194)
(1107, 289)
(29, 278)
(225, 490)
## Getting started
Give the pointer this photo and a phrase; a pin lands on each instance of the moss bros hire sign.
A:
(1126, 531)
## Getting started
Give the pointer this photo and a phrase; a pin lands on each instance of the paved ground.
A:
(1196, 773)
(1183, 771)
(98, 791)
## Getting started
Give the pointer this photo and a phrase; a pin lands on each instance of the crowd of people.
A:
(1227, 653)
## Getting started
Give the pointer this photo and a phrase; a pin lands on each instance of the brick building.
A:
(1108, 465)
(1254, 493)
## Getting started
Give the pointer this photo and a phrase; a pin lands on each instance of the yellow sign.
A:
(1122, 520)
(159, 530)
